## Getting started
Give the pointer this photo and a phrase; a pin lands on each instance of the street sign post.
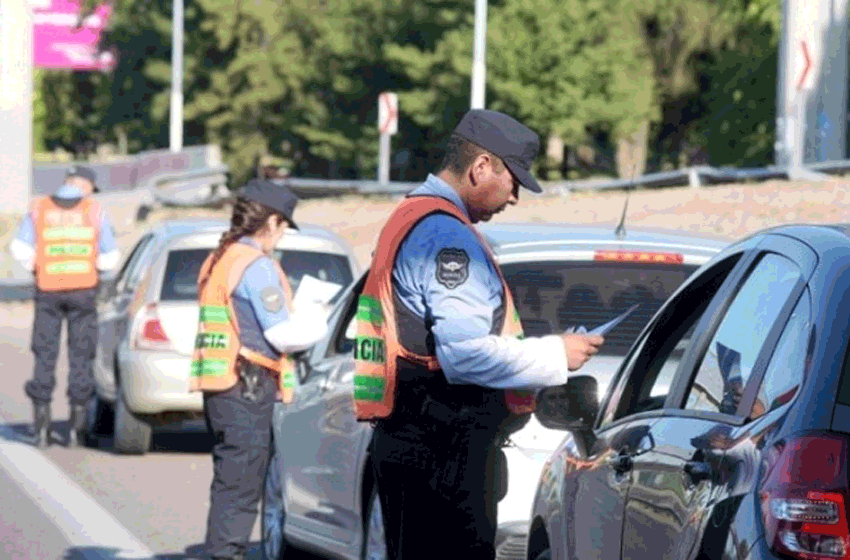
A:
(812, 84)
(16, 81)
(387, 126)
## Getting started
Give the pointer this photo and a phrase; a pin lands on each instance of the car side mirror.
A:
(302, 367)
(571, 406)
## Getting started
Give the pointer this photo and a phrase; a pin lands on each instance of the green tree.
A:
(738, 127)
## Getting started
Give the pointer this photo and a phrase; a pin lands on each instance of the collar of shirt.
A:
(434, 186)
(249, 241)
(68, 192)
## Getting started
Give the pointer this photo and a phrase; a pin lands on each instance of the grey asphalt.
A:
(159, 500)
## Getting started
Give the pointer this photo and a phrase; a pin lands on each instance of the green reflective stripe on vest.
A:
(368, 388)
(68, 233)
(369, 310)
(214, 314)
(75, 249)
(521, 334)
(212, 340)
(369, 349)
(288, 380)
(369, 317)
(213, 367)
(68, 267)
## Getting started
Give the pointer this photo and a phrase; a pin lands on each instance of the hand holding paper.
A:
(606, 327)
(312, 291)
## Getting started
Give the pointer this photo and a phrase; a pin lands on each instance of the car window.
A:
(648, 373)
(180, 282)
(123, 279)
(553, 296)
(324, 266)
(730, 356)
(784, 373)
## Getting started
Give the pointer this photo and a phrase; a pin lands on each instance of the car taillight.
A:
(639, 257)
(150, 335)
(803, 498)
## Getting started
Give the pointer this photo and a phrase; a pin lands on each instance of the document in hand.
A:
(606, 327)
(312, 290)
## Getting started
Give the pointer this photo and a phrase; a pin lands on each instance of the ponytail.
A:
(248, 218)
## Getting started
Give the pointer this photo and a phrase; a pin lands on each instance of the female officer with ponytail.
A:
(247, 330)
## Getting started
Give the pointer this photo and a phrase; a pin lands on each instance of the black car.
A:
(744, 454)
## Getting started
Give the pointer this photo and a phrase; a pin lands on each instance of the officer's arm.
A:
(461, 300)
(108, 253)
(286, 332)
(22, 246)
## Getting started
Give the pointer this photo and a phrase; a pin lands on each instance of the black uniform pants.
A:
(243, 433)
(79, 307)
(422, 524)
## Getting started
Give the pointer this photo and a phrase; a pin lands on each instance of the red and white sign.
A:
(61, 40)
(807, 66)
(388, 113)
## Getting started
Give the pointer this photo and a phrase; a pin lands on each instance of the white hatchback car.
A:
(148, 318)
(320, 494)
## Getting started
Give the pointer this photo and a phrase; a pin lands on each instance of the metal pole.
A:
(176, 113)
(384, 160)
(16, 89)
(479, 56)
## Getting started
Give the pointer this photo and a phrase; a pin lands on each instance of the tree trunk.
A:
(631, 153)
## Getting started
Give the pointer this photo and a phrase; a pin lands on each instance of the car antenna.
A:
(620, 231)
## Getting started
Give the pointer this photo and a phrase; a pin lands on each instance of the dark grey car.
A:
(744, 453)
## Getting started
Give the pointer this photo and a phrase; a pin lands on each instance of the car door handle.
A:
(698, 471)
(326, 385)
(621, 463)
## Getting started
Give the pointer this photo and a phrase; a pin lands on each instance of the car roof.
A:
(189, 226)
(523, 237)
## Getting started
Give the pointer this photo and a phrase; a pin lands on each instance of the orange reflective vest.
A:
(217, 344)
(377, 348)
(66, 244)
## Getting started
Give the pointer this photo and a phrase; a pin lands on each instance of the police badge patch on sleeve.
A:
(452, 267)
(272, 298)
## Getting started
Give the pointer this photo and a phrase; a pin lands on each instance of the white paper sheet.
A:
(312, 290)
(605, 328)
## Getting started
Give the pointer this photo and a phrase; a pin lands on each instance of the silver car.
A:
(319, 492)
(149, 317)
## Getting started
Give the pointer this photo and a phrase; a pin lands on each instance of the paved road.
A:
(82, 504)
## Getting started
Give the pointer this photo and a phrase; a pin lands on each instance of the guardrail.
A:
(695, 177)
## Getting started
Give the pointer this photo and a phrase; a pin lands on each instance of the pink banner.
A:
(61, 40)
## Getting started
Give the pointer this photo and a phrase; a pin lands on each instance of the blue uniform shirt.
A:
(259, 303)
(106, 243)
(443, 275)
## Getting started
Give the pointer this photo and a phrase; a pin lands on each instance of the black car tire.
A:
(274, 543)
(133, 432)
(100, 421)
(545, 554)
(374, 543)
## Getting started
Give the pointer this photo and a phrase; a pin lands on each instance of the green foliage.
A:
(739, 124)
(299, 79)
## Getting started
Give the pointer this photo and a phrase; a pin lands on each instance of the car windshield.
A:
(554, 296)
(184, 265)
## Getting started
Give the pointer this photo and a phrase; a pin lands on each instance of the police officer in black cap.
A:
(247, 330)
(456, 347)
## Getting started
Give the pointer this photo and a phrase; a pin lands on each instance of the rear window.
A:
(554, 296)
(184, 265)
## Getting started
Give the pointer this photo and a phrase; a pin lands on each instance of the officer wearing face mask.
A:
(67, 241)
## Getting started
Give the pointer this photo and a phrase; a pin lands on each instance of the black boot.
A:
(41, 424)
(77, 425)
